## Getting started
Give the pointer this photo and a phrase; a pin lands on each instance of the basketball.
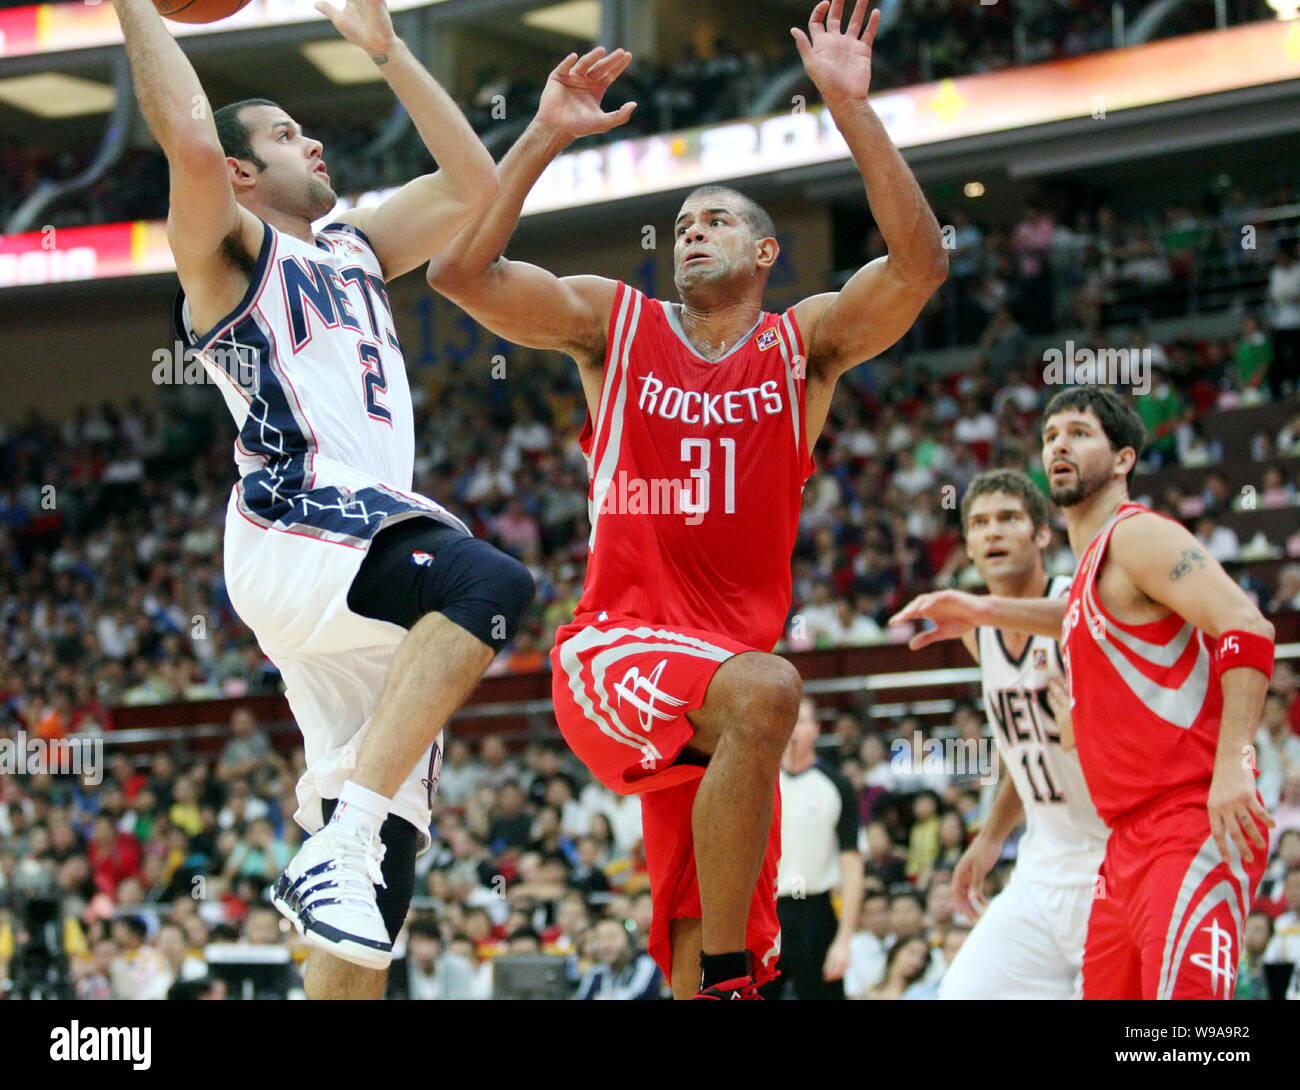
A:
(198, 11)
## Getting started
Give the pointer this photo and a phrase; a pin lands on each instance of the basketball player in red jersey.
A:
(702, 416)
(1168, 663)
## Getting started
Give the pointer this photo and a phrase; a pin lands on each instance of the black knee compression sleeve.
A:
(421, 566)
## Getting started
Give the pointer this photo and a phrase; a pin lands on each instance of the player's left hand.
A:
(837, 58)
(1235, 808)
(1058, 698)
(365, 23)
(837, 960)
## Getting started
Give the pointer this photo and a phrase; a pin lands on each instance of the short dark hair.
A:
(425, 928)
(1119, 420)
(1013, 483)
(754, 214)
(234, 134)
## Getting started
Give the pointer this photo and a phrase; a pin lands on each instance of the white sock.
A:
(360, 809)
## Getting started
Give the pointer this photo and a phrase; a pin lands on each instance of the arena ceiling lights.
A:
(576, 18)
(341, 62)
(51, 94)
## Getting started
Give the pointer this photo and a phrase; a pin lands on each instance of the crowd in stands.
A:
(111, 523)
(929, 40)
(156, 878)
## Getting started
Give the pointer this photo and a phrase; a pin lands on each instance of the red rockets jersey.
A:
(697, 471)
(1146, 698)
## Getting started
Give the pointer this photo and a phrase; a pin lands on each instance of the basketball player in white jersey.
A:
(1028, 943)
(377, 605)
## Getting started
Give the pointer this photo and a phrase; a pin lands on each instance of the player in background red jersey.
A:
(1168, 663)
(701, 419)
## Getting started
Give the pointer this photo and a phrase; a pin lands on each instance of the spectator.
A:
(1277, 750)
(247, 751)
(429, 972)
(905, 966)
(619, 970)
(867, 948)
(1252, 979)
(1284, 298)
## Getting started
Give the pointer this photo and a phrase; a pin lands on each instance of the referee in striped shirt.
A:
(819, 855)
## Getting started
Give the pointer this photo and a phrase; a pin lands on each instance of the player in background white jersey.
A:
(1028, 943)
(377, 605)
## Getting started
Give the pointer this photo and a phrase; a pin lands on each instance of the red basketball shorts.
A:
(622, 690)
(1168, 910)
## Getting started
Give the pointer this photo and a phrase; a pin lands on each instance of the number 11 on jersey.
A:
(700, 475)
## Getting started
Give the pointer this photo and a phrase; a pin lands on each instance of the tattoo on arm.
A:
(1191, 560)
(379, 58)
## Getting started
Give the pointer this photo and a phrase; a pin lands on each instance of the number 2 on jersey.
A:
(374, 381)
(700, 475)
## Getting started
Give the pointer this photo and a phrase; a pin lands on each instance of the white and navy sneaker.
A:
(328, 893)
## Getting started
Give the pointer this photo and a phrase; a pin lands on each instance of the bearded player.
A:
(1027, 944)
(377, 605)
(1168, 664)
(702, 416)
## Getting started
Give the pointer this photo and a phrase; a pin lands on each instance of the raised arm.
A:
(211, 237)
(1168, 565)
(521, 302)
(883, 299)
(424, 215)
(956, 613)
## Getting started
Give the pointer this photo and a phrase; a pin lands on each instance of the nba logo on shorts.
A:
(422, 558)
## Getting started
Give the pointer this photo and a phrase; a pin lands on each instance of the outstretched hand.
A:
(953, 612)
(570, 102)
(837, 57)
(365, 23)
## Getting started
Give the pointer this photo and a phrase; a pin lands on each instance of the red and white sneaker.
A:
(742, 987)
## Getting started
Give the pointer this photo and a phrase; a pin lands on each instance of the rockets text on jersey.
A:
(696, 469)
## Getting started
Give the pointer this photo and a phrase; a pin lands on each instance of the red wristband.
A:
(1246, 649)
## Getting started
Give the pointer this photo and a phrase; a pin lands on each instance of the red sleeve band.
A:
(1246, 649)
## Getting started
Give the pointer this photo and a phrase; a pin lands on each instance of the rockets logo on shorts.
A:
(1217, 961)
(642, 692)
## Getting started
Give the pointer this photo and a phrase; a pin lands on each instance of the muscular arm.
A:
(521, 302)
(1166, 564)
(204, 221)
(424, 215)
(518, 301)
(956, 613)
(881, 301)
(883, 298)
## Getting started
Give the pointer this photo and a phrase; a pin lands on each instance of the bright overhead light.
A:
(1285, 9)
(974, 189)
(576, 18)
(342, 62)
(52, 94)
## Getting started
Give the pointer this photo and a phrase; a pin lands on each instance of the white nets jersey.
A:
(1064, 838)
(312, 371)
